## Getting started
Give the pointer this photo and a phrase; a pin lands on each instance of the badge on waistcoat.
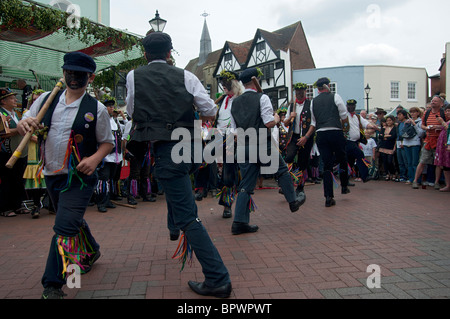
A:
(89, 117)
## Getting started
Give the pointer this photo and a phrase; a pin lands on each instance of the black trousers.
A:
(354, 153)
(331, 146)
(12, 189)
(303, 153)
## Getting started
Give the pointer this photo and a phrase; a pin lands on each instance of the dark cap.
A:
(351, 102)
(322, 81)
(379, 111)
(5, 92)
(78, 61)
(157, 42)
(247, 75)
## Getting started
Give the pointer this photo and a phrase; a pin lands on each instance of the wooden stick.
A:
(256, 83)
(219, 99)
(18, 152)
(122, 204)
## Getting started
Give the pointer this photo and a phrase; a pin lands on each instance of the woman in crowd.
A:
(442, 158)
(412, 145)
(388, 138)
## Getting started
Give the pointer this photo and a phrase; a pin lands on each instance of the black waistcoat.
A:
(161, 102)
(326, 111)
(305, 117)
(83, 127)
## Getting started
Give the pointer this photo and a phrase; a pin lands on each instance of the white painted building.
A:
(390, 85)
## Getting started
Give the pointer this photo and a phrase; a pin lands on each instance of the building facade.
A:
(276, 53)
(391, 86)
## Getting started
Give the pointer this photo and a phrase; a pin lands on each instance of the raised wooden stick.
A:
(18, 152)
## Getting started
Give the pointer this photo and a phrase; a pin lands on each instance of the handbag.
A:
(408, 131)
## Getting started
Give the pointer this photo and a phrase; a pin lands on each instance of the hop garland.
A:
(226, 75)
(300, 86)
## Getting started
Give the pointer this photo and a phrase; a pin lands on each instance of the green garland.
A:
(16, 14)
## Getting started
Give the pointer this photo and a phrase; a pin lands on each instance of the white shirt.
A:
(205, 105)
(342, 108)
(368, 148)
(113, 157)
(61, 127)
(354, 133)
(298, 110)
(225, 123)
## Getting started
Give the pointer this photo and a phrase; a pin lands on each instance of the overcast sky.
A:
(340, 32)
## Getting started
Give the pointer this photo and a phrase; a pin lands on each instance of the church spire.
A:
(205, 42)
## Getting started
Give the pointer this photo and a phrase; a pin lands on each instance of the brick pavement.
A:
(316, 253)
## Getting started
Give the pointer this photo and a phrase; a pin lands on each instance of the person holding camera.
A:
(433, 128)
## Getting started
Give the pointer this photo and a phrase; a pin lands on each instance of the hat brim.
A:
(77, 68)
(7, 95)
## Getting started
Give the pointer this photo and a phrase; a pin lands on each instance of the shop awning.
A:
(30, 48)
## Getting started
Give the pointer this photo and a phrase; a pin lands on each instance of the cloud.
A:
(377, 53)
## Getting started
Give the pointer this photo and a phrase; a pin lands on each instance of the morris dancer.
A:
(301, 135)
(107, 189)
(225, 126)
(78, 138)
(160, 85)
(253, 110)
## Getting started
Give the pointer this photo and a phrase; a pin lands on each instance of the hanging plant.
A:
(15, 14)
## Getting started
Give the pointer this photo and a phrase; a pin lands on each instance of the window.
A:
(395, 90)
(268, 71)
(227, 57)
(283, 94)
(333, 88)
(310, 92)
(411, 90)
(260, 46)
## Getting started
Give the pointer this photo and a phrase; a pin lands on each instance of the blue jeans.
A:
(70, 207)
(182, 210)
(402, 162)
(412, 158)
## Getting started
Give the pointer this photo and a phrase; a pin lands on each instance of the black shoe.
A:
(199, 195)
(299, 201)
(53, 293)
(219, 292)
(102, 209)
(89, 261)
(149, 198)
(241, 228)
(330, 202)
(174, 235)
(35, 213)
(227, 212)
(110, 205)
(351, 184)
(131, 201)
(368, 178)
(345, 190)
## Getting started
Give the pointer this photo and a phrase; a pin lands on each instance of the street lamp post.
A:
(367, 90)
(157, 23)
